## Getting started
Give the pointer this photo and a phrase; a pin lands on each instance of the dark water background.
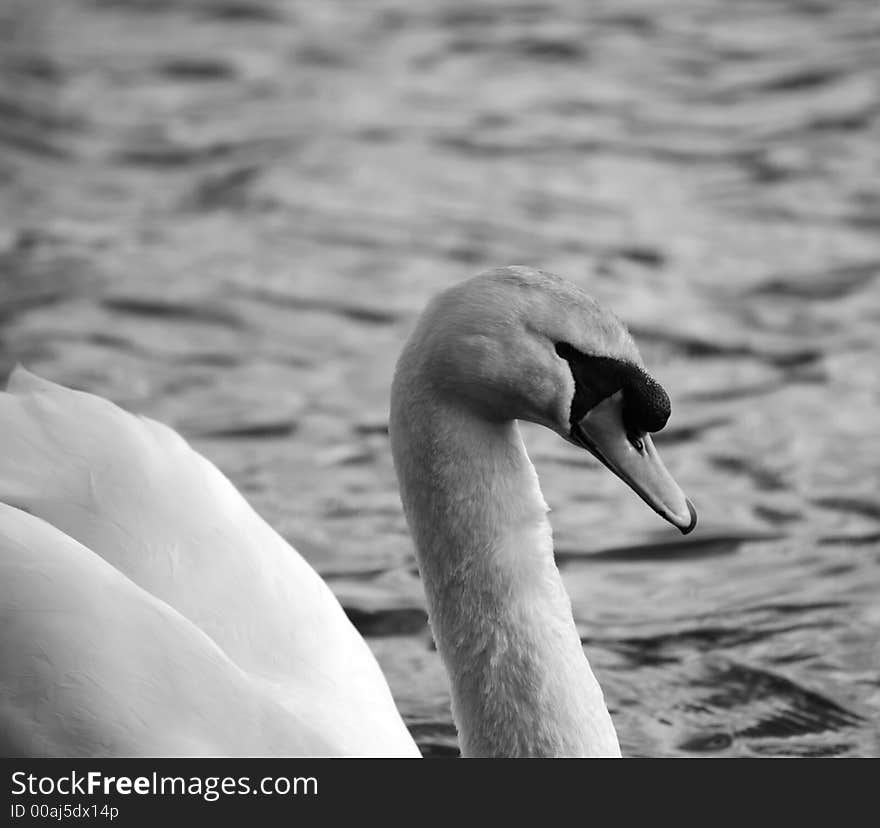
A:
(226, 214)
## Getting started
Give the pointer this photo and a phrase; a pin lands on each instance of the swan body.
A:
(146, 609)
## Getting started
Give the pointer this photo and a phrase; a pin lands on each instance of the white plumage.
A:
(146, 609)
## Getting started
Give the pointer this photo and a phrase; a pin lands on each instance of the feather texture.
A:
(126, 501)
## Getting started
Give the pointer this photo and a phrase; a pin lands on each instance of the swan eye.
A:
(637, 443)
(645, 404)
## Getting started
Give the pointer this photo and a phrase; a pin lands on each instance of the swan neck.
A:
(501, 619)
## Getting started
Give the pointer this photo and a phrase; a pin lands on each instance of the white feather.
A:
(169, 580)
(147, 609)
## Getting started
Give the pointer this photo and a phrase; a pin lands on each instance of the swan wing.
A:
(73, 684)
(134, 493)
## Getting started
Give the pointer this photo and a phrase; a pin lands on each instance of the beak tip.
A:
(686, 530)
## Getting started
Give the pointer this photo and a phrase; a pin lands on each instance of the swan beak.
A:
(602, 433)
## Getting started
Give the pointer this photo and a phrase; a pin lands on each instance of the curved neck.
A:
(502, 621)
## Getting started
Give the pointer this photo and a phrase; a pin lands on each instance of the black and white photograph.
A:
(432, 378)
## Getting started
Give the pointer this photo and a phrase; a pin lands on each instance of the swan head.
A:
(521, 344)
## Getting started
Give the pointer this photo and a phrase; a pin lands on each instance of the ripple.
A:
(196, 69)
(231, 210)
(835, 283)
(706, 742)
(436, 739)
(699, 347)
(240, 12)
(162, 152)
(170, 310)
(384, 623)
(338, 307)
(689, 432)
(852, 505)
(229, 189)
(866, 539)
(766, 480)
(705, 545)
(270, 429)
(788, 709)
(554, 49)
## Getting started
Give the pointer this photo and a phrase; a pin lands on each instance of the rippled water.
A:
(226, 214)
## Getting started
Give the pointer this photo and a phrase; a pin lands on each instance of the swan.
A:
(147, 610)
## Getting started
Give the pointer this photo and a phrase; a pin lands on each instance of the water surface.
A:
(226, 215)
